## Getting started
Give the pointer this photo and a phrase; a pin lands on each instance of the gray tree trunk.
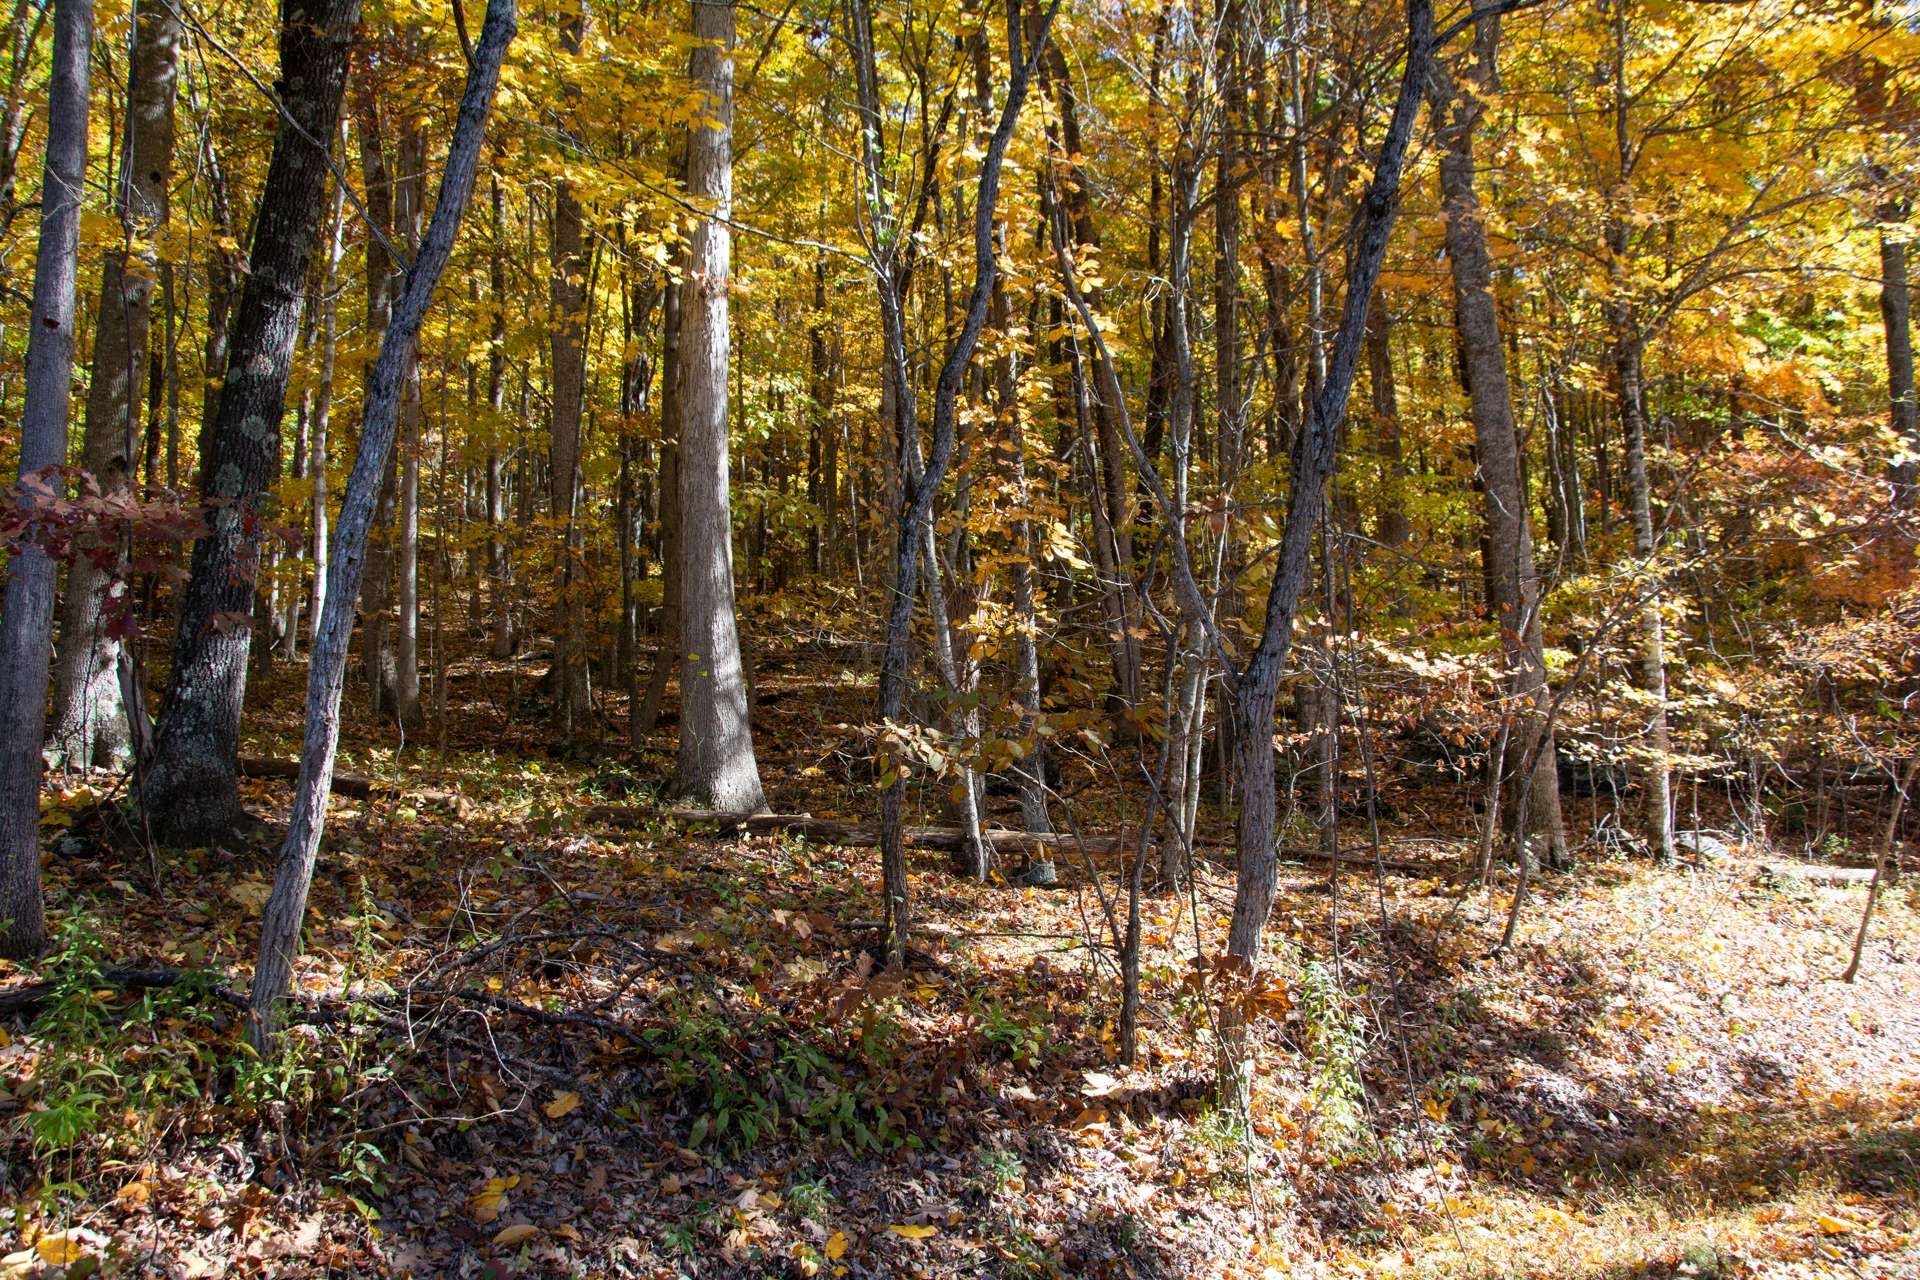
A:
(1629, 353)
(286, 906)
(716, 767)
(1257, 686)
(1896, 317)
(26, 617)
(89, 726)
(1656, 778)
(409, 196)
(323, 401)
(666, 653)
(1511, 572)
(193, 791)
(377, 664)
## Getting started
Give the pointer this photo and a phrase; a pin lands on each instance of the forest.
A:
(1008, 638)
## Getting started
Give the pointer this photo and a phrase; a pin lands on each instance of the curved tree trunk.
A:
(1257, 688)
(193, 791)
(1512, 575)
(89, 725)
(26, 617)
(286, 906)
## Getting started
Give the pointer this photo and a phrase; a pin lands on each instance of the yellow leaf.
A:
(518, 1233)
(914, 1233)
(1832, 1226)
(59, 1250)
(562, 1104)
(836, 1247)
(485, 1204)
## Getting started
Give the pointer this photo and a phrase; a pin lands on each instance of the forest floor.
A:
(532, 1044)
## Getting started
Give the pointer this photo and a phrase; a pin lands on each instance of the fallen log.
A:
(29, 996)
(851, 834)
(344, 784)
(830, 831)
(1817, 873)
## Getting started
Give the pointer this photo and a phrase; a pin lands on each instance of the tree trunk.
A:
(666, 652)
(1656, 778)
(286, 906)
(192, 792)
(26, 617)
(1393, 529)
(499, 568)
(567, 291)
(376, 593)
(323, 401)
(409, 190)
(716, 766)
(1895, 316)
(1257, 687)
(1512, 577)
(89, 725)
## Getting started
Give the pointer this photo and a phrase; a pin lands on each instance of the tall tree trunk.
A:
(377, 663)
(409, 192)
(568, 294)
(499, 568)
(1512, 577)
(916, 496)
(287, 904)
(1656, 778)
(1393, 529)
(1030, 779)
(193, 792)
(1629, 354)
(323, 399)
(716, 767)
(26, 616)
(822, 439)
(1257, 686)
(89, 725)
(1108, 497)
(666, 653)
(1895, 317)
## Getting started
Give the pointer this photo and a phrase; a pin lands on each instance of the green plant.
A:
(996, 1172)
(744, 1081)
(1336, 1044)
(1218, 1129)
(809, 1197)
(1025, 1042)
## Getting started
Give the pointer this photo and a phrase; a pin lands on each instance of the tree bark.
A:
(192, 792)
(26, 616)
(286, 905)
(89, 725)
(1629, 352)
(716, 766)
(567, 291)
(1512, 576)
(409, 191)
(916, 496)
(1257, 686)
(323, 401)
(1896, 319)
(377, 663)
(499, 566)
